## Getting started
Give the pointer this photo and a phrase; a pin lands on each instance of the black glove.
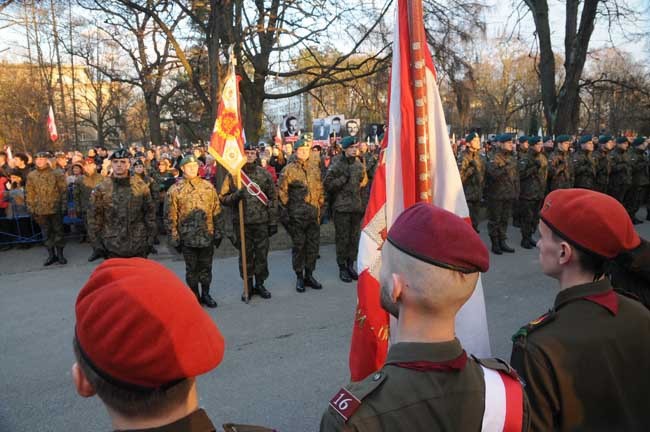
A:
(240, 194)
(217, 241)
(273, 230)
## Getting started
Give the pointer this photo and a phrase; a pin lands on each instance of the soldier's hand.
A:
(217, 241)
(240, 194)
(273, 230)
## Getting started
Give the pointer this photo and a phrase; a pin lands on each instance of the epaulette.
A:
(534, 325)
(498, 365)
(348, 399)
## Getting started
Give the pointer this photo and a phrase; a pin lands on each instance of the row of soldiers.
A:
(515, 184)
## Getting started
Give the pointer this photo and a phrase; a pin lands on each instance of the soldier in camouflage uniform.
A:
(46, 195)
(522, 150)
(604, 163)
(343, 183)
(192, 210)
(620, 178)
(301, 194)
(84, 186)
(640, 175)
(140, 170)
(533, 173)
(61, 163)
(560, 169)
(260, 220)
(122, 215)
(503, 190)
(472, 173)
(584, 164)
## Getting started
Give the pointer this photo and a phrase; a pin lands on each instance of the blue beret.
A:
(532, 140)
(504, 137)
(523, 139)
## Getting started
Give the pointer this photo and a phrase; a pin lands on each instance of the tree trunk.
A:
(253, 110)
(153, 115)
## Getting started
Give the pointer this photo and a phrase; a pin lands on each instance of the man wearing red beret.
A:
(584, 363)
(429, 383)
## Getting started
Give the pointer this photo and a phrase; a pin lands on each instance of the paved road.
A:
(285, 357)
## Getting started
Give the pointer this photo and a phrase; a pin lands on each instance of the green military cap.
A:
(638, 141)
(301, 143)
(523, 139)
(43, 154)
(621, 140)
(186, 160)
(348, 141)
(585, 139)
(504, 137)
(534, 139)
(563, 138)
(120, 154)
(471, 136)
(604, 138)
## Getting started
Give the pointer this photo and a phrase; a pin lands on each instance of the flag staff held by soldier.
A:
(226, 146)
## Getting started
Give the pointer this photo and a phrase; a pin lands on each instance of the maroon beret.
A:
(439, 237)
(139, 327)
(593, 221)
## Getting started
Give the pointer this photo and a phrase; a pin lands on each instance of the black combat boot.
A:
(205, 297)
(526, 243)
(300, 282)
(352, 270)
(504, 247)
(344, 274)
(260, 289)
(311, 282)
(60, 257)
(94, 256)
(496, 247)
(51, 257)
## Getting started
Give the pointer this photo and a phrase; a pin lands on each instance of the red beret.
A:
(439, 237)
(593, 221)
(89, 160)
(140, 327)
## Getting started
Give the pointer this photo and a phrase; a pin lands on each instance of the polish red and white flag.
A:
(416, 164)
(51, 125)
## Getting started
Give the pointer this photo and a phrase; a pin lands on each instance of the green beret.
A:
(348, 141)
(604, 139)
(621, 140)
(301, 143)
(471, 136)
(186, 160)
(523, 139)
(532, 140)
(548, 138)
(585, 139)
(638, 141)
(120, 154)
(563, 138)
(504, 137)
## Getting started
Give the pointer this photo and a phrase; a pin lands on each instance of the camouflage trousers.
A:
(474, 212)
(347, 227)
(198, 267)
(257, 250)
(498, 214)
(305, 236)
(529, 216)
(626, 195)
(640, 198)
(52, 227)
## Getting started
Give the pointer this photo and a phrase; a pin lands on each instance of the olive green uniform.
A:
(533, 173)
(603, 169)
(300, 191)
(584, 364)
(192, 210)
(370, 161)
(584, 168)
(640, 178)
(502, 191)
(398, 398)
(122, 218)
(472, 173)
(620, 179)
(46, 195)
(258, 220)
(560, 170)
(343, 183)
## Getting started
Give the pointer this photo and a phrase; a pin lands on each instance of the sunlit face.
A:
(190, 170)
(288, 149)
(523, 146)
(550, 250)
(138, 169)
(564, 146)
(62, 161)
(352, 151)
(40, 162)
(163, 166)
(76, 170)
(363, 147)
(120, 167)
(475, 144)
(609, 145)
(303, 153)
(588, 146)
(507, 146)
(538, 147)
(251, 156)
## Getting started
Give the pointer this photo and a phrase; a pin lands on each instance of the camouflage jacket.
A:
(640, 167)
(503, 176)
(46, 192)
(300, 190)
(584, 169)
(560, 170)
(122, 217)
(255, 212)
(343, 182)
(533, 174)
(603, 167)
(154, 187)
(472, 173)
(621, 174)
(83, 187)
(192, 210)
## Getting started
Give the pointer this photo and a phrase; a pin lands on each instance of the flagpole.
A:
(418, 81)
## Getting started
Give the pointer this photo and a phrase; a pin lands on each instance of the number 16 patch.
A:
(345, 403)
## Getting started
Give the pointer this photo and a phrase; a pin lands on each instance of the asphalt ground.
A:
(285, 357)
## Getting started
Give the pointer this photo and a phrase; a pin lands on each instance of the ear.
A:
(81, 383)
(566, 253)
(398, 286)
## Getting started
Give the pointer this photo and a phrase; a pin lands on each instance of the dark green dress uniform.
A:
(533, 174)
(620, 179)
(399, 397)
(195, 227)
(640, 177)
(260, 221)
(560, 170)
(584, 167)
(122, 218)
(343, 182)
(198, 421)
(472, 173)
(46, 195)
(502, 191)
(300, 191)
(603, 165)
(584, 363)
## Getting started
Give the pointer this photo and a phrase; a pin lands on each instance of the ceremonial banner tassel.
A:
(416, 164)
(51, 125)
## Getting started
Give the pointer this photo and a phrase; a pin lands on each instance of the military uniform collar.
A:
(439, 352)
(599, 292)
(194, 181)
(122, 181)
(198, 421)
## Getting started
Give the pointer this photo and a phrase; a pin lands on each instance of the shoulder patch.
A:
(347, 400)
(534, 325)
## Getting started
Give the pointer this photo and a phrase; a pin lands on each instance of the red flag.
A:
(177, 143)
(227, 141)
(51, 125)
(418, 160)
